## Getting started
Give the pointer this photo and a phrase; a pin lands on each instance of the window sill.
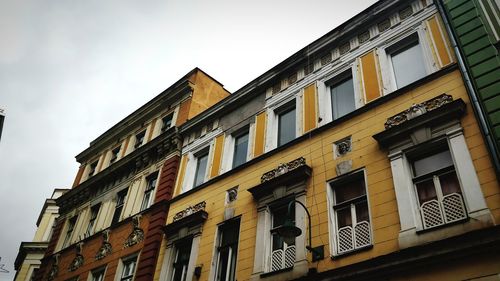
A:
(423, 231)
(267, 274)
(338, 256)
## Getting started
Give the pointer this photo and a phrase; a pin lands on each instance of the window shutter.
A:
(216, 160)
(438, 43)
(370, 76)
(310, 108)
(180, 176)
(260, 134)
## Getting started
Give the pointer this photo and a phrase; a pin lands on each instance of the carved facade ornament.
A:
(405, 13)
(232, 194)
(363, 37)
(384, 25)
(78, 260)
(54, 269)
(292, 78)
(342, 147)
(105, 248)
(190, 210)
(137, 234)
(417, 110)
(283, 169)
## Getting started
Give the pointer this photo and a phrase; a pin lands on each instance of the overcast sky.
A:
(71, 69)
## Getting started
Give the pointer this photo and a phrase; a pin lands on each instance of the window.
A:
(240, 149)
(286, 124)
(120, 202)
(148, 193)
(351, 218)
(92, 169)
(98, 274)
(114, 155)
(437, 188)
(342, 98)
(128, 269)
(227, 249)
(407, 61)
(93, 216)
(139, 139)
(282, 254)
(69, 230)
(201, 168)
(166, 122)
(181, 260)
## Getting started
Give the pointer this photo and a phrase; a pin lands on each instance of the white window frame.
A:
(215, 259)
(408, 207)
(385, 57)
(262, 260)
(171, 252)
(151, 191)
(92, 223)
(120, 270)
(97, 270)
(332, 215)
(324, 91)
(273, 113)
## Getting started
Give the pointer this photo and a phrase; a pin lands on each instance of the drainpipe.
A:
(471, 91)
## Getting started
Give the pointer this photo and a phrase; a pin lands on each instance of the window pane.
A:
(432, 163)
(426, 191)
(449, 183)
(286, 127)
(240, 149)
(344, 217)
(348, 191)
(181, 261)
(362, 212)
(343, 99)
(228, 247)
(408, 65)
(201, 168)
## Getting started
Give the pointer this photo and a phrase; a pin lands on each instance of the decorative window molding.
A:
(183, 239)
(342, 147)
(410, 139)
(137, 234)
(279, 186)
(349, 215)
(105, 248)
(78, 260)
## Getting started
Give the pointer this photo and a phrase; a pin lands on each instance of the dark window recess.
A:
(166, 122)
(181, 262)
(120, 202)
(114, 154)
(227, 249)
(139, 139)
(148, 193)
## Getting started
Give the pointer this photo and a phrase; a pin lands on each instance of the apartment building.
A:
(110, 224)
(357, 158)
(31, 253)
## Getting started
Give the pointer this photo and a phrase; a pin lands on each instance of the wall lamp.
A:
(288, 231)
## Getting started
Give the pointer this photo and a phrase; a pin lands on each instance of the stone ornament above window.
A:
(190, 210)
(364, 37)
(405, 13)
(232, 194)
(105, 248)
(342, 147)
(137, 234)
(78, 260)
(282, 169)
(417, 110)
(384, 25)
(345, 48)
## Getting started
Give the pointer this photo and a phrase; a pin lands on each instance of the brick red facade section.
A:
(152, 242)
(167, 179)
(47, 261)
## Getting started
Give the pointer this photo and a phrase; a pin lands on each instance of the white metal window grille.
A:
(351, 214)
(93, 216)
(181, 261)
(438, 190)
(227, 250)
(148, 193)
(128, 270)
(282, 254)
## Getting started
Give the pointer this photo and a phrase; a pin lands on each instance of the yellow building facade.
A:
(370, 128)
